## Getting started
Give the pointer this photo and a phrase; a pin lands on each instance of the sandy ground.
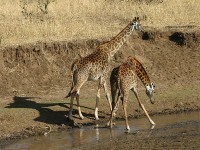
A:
(35, 81)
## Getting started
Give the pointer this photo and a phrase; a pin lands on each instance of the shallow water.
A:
(92, 134)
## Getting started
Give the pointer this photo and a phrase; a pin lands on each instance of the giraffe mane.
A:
(132, 61)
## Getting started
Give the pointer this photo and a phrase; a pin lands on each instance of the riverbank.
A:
(36, 77)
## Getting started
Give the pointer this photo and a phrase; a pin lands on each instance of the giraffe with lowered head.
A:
(96, 66)
(122, 80)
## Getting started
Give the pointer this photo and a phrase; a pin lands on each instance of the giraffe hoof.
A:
(128, 129)
(108, 124)
(81, 117)
(153, 126)
(153, 123)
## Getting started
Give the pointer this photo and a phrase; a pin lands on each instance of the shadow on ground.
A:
(46, 114)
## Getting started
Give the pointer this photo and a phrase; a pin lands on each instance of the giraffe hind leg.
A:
(71, 105)
(75, 93)
(114, 91)
(78, 87)
(78, 105)
(107, 95)
(125, 98)
(115, 106)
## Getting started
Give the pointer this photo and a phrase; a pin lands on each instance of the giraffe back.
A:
(92, 66)
(123, 78)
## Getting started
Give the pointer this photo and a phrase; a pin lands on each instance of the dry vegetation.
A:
(78, 19)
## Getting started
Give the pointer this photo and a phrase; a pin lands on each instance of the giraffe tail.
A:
(73, 68)
(114, 86)
(69, 94)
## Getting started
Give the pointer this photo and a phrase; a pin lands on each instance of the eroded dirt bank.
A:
(34, 79)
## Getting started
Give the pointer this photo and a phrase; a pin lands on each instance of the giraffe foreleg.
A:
(107, 94)
(142, 106)
(150, 120)
(97, 102)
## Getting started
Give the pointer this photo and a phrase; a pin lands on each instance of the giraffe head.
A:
(136, 24)
(150, 91)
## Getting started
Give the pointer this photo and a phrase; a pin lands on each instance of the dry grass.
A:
(78, 19)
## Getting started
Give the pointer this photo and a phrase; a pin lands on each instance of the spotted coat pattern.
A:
(123, 79)
(96, 66)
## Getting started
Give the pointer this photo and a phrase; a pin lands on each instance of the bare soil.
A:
(35, 78)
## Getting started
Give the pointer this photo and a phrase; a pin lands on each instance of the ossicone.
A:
(136, 19)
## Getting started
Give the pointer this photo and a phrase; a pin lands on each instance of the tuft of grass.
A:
(89, 19)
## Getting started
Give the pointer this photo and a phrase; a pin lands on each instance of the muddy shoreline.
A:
(174, 136)
(38, 131)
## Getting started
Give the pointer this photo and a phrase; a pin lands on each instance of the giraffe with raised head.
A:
(96, 66)
(122, 80)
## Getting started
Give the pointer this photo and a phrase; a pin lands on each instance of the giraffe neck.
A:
(116, 43)
(142, 74)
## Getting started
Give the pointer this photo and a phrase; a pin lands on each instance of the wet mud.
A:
(170, 132)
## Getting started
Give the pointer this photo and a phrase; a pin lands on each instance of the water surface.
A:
(93, 134)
